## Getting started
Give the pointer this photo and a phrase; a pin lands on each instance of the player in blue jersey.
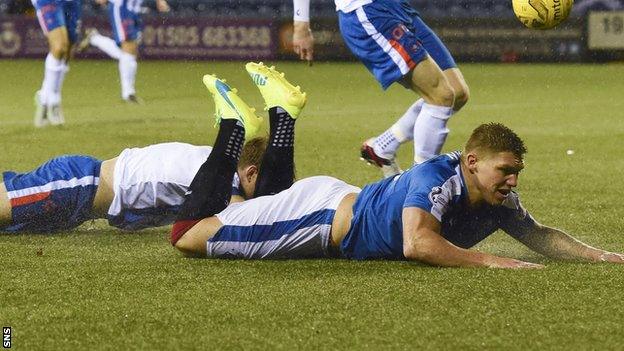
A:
(60, 22)
(396, 45)
(433, 213)
(125, 20)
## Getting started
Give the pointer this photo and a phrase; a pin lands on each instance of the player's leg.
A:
(104, 43)
(128, 70)
(383, 36)
(58, 195)
(72, 11)
(403, 130)
(378, 35)
(49, 95)
(383, 147)
(284, 103)
(211, 188)
(459, 85)
(430, 129)
(53, 22)
(126, 27)
(442, 56)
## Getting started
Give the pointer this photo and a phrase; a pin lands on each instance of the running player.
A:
(396, 45)
(60, 22)
(125, 20)
(432, 213)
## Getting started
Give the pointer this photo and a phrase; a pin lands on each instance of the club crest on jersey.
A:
(441, 197)
(434, 195)
(399, 31)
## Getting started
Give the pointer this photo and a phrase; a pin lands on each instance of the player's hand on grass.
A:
(611, 257)
(303, 41)
(515, 264)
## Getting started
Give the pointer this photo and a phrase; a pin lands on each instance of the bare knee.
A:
(462, 94)
(442, 95)
(60, 48)
(130, 47)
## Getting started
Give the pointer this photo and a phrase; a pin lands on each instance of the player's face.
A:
(496, 175)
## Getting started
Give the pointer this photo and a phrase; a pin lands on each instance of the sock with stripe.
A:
(402, 131)
(430, 131)
(211, 188)
(277, 170)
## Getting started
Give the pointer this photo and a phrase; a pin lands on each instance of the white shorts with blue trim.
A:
(126, 24)
(295, 223)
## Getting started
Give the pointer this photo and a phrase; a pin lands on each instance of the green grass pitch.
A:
(98, 288)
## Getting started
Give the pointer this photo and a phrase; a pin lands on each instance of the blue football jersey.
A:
(436, 186)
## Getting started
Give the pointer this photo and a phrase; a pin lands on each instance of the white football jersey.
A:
(150, 183)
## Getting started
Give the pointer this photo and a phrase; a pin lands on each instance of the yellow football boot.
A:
(228, 105)
(275, 89)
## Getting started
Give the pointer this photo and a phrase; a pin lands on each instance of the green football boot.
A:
(228, 105)
(276, 90)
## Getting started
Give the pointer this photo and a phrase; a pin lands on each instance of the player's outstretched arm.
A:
(422, 242)
(303, 40)
(557, 244)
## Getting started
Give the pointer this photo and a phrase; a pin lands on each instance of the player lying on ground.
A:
(396, 45)
(140, 188)
(431, 213)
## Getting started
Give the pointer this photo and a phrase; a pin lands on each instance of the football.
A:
(542, 14)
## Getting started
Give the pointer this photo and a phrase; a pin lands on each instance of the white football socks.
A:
(127, 62)
(430, 131)
(127, 73)
(60, 80)
(387, 143)
(106, 44)
(55, 69)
